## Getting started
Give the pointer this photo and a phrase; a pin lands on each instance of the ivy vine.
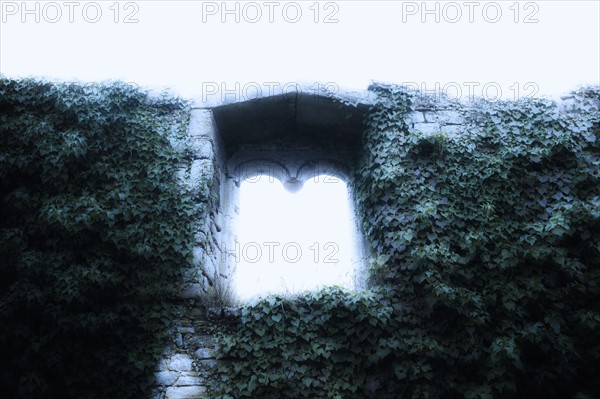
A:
(485, 281)
(94, 235)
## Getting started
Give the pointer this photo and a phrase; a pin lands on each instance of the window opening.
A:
(294, 237)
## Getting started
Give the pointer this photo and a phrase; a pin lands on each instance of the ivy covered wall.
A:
(483, 221)
(96, 235)
(484, 225)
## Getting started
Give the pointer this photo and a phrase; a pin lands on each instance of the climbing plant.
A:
(485, 280)
(94, 235)
(486, 254)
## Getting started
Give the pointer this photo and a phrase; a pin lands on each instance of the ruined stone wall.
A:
(206, 290)
(206, 295)
(188, 358)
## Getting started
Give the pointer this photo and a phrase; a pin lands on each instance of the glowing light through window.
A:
(290, 242)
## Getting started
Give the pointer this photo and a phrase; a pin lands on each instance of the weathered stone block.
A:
(192, 291)
(207, 364)
(427, 128)
(202, 341)
(445, 117)
(202, 149)
(178, 362)
(199, 255)
(211, 265)
(204, 353)
(185, 392)
(179, 340)
(188, 379)
(166, 377)
(202, 123)
(186, 330)
(415, 117)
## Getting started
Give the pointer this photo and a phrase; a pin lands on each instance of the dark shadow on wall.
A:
(94, 235)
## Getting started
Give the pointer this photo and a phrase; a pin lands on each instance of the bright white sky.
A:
(293, 242)
(541, 47)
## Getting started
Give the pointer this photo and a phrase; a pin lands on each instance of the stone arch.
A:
(293, 137)
(324, 167)
(288, 173)
(251, 168)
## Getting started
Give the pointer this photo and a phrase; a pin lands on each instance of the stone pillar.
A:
(205, 177)
(188, 357)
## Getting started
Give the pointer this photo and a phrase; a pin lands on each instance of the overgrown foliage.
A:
(94, 235)
(486, 279)
(304, 347)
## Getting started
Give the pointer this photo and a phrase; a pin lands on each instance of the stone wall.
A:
(432, 114)
(188, 358)
(211, 173)
(206, 171)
